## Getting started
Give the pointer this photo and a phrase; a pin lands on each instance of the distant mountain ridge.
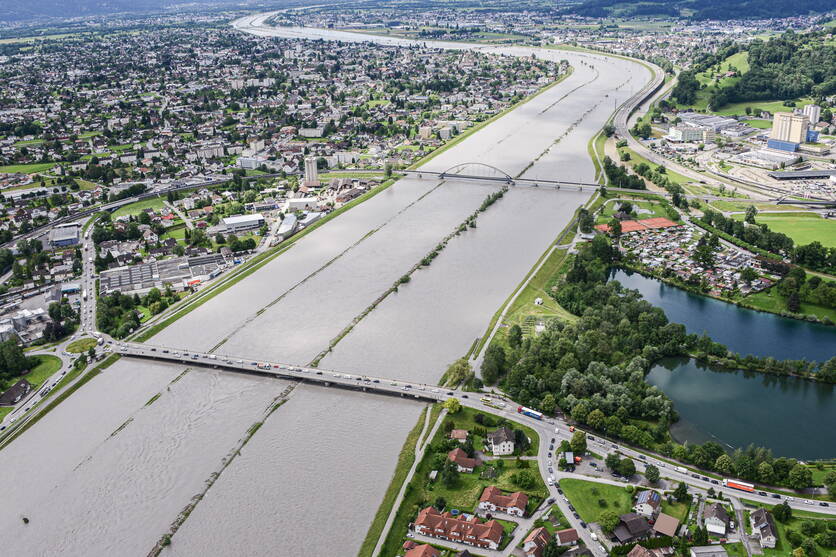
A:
(21, 10)
(703, 9)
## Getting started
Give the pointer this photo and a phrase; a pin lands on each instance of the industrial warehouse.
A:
(178, 273)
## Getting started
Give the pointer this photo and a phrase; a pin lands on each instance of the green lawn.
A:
(803, 228)
(760, 124)
(818, 475)
(26, 168)
(85, 184)
(46, 367)
(81, 345)
(155, 203)
(675, 509)
(731, 206)
(464, 419)
(524, 312)
(771, 300)
(587, 497)
(656, 210)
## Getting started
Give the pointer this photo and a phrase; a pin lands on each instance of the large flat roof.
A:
(802, 174)
(243, 219)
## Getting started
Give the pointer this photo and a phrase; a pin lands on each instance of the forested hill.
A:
(703, 9)
(783, 68)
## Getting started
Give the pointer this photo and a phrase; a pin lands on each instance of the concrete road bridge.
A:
(293, 372)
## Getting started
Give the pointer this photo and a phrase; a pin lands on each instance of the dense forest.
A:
(784, 68)
(707, 9)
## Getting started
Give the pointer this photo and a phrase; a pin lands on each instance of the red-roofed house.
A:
(493, 500)
(463, 462)
(431, 522)
(568, 536)
(422, 551)
(459, 435)
(536, 542)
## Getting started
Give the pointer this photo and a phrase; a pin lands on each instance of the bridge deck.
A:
(264, 368)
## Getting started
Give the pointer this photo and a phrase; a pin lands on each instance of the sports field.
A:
(803, 228)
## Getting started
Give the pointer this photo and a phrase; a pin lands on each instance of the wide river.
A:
(108, 471)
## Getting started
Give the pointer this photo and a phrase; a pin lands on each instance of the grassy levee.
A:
(109, 361)
(459, 138)
(405, 460)
(569, 229)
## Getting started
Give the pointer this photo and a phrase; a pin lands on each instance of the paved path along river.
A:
(108, 472)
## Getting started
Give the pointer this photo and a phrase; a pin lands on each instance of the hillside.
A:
(703, 9)
(786, 69)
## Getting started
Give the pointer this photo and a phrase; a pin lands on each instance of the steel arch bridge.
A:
(477, 170)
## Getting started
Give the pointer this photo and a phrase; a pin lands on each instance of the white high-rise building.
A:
(787, 126)
(813, 112)
(311, 172)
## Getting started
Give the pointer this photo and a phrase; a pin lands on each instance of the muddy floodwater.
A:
(111, 468)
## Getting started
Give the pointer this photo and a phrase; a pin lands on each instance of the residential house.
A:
(423, 550)
(459, 435)
(666, 525)
(463, 462)
(639, 551)
(501, 441)
(648, 503)
(535, 542)
(494, 500)
(470, 531)
(631, 527)
(763, 527)
(569, 536)
(716, 519)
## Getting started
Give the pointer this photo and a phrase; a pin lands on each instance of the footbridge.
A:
(292, 372)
